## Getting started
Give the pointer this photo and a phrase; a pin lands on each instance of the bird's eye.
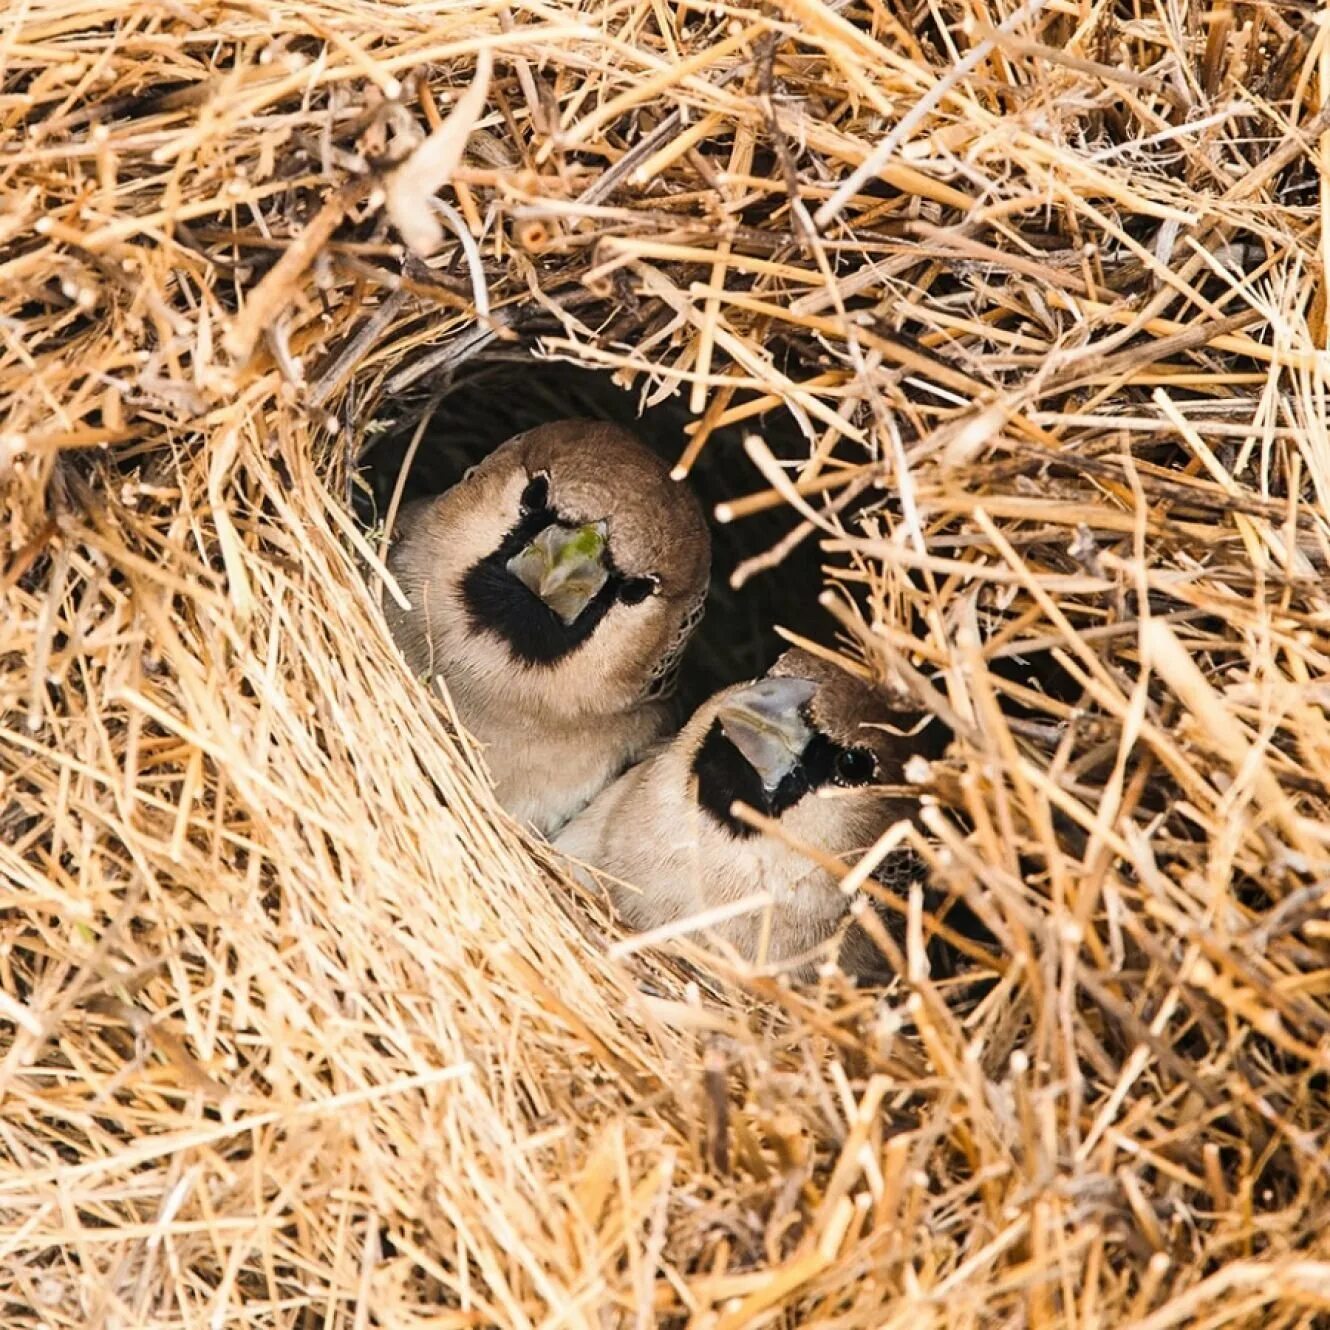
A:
(634, 590)
(855, 766)
(536, 496)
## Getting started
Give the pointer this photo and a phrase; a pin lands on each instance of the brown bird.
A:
(809, 746)
(554, 588)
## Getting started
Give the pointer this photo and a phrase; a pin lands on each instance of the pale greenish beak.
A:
(564, 566)
(765, 722)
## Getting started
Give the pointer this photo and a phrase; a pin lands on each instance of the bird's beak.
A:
(765, 723)
(564, 566)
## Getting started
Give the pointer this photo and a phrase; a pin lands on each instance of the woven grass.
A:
(297, 1031)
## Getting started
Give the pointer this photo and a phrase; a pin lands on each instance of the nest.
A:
(995, 334)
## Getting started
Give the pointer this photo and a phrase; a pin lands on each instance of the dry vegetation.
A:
(296, 1031)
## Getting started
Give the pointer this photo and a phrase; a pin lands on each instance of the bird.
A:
(554, 588)
(809, 746)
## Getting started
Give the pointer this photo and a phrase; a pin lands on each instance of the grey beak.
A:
(564, 566)
(764, 722)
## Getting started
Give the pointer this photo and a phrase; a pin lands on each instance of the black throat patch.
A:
(724, 775)
(499, 603)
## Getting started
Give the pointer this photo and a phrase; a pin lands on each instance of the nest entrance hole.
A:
(495, 397)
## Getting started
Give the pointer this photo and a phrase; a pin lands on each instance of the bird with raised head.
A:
(809, 746)
(554, 588)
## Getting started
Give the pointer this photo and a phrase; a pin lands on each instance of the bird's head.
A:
(809, 745)
(567, 569)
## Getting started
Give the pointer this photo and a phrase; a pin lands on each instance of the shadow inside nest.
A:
(501, 394)
(497, 397)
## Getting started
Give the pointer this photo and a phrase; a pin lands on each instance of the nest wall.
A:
(1010, 324)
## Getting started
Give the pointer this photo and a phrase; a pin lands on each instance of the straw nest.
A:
(297, 1030)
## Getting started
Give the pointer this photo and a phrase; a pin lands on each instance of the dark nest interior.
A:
(497, 396)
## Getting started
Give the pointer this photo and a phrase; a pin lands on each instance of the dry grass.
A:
(294, 1029)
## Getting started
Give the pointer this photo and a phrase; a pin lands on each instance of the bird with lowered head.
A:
(808, 746)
